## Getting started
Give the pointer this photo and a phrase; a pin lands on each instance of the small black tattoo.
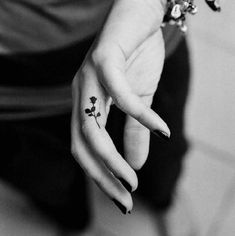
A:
(91, 111)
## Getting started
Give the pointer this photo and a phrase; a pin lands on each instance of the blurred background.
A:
(209, 176)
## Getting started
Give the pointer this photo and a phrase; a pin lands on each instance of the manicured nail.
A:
(129, 212)
(120, 206)
(161, 134)
(214, 5)
(126, 184)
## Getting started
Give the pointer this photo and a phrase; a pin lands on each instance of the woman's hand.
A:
(123, 67)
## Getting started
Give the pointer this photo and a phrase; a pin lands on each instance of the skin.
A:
(123, 67)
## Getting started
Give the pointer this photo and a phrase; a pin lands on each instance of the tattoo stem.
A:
(95, 116)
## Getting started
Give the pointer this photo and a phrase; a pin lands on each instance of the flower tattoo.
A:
(92, 110)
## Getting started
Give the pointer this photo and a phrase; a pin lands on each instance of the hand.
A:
(122, 67)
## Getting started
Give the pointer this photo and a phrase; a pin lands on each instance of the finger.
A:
(93, 120)
(101, 175)
(92, 166)
(136, 140)
(136, 143)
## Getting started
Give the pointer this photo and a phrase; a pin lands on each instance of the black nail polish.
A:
(126, 184)
(129, 212)
(214, 5)
(120, 206)
(161, 134)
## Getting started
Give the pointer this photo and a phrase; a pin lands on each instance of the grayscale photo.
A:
(117, 118)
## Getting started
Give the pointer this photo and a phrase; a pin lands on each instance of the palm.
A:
(145, 65)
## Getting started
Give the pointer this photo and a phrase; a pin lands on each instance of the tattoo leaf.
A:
(93, 109)
(98, 114)
(90, 115)
(87, 110)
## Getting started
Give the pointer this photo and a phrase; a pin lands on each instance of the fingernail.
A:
(161, 134)
(129, 212)
(214, 5)
(120, 206)
(126, 184)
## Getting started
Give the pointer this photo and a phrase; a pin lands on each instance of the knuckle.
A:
(139, 115)
(83, 72)
(129, 103)
(84, 128)
(99, 57)
(75, 152)
(136, 128)
(120, 102)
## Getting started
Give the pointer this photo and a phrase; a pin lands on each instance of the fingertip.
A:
(120, 206)
(168, 131)
(136, 153)
(129, 203)
(135, 184)
(163, 135)
(151, 120)
(125, 203)
(137, 165)
(136, 161)
(130, 181)
(163, 128)
(162, 131)
(132, 184)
